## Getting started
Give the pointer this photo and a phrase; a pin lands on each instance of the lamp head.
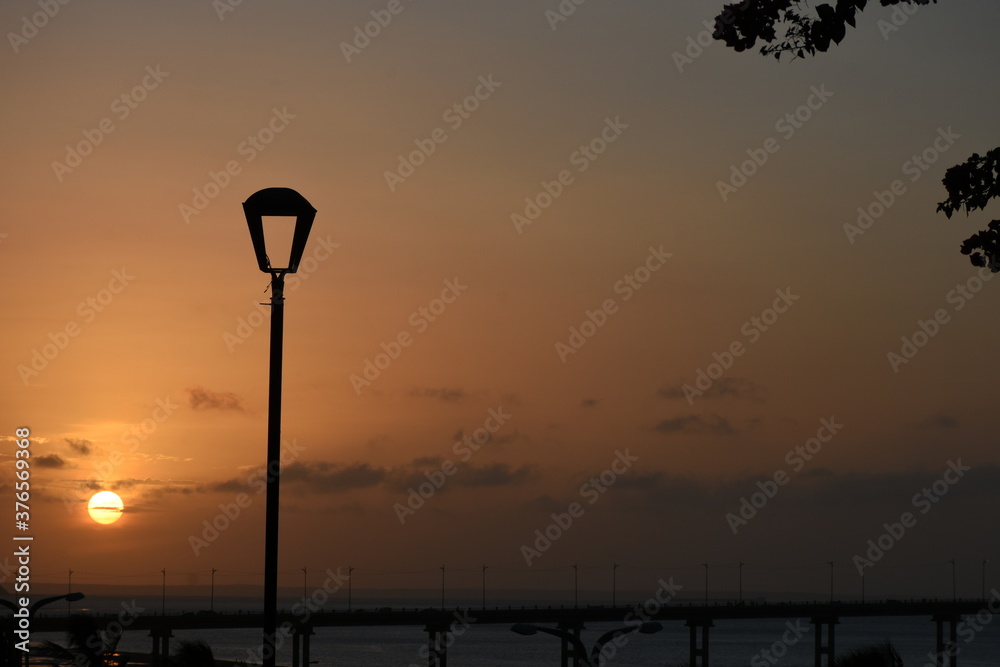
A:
(280, 202)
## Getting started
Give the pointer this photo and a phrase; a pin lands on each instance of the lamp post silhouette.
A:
(211, 598)
(614, 583)
(275, 202)
(984, 578)
(830, 563)
(579, 650)
(954, 595)
(576, 586)
(350, 579)
(741, 580)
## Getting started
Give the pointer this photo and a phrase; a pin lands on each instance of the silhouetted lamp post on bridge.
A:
(284, 203)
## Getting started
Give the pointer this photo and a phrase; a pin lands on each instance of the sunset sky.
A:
(564, 222)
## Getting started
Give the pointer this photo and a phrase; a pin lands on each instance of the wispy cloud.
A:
(696, 424)
(443, 394)
(200, 398)
(80, 446)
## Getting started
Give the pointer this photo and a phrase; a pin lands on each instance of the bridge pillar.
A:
(437, 644)
(829, 649)
(161, 645)
(568, 655)
(696, 650)
(946, 653)
(300, 645)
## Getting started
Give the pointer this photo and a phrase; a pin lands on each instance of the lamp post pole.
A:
(211, 597)
(273, 469)
(741, 580)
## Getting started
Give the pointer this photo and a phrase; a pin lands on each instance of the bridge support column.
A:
(829, 650)
(699, 651)
(946, 653)
(568, 654)
(437, 644)
(161, 645)
(300, 646)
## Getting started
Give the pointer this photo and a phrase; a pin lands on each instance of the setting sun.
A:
(105, 507)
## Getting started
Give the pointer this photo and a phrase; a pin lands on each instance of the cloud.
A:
(724, 387)
(696, 424)
(939, 421)
(494, 474)
(79, 446)
(588, 403)
(200, 398)
(322, 476)
(444, 394)
(50, 461)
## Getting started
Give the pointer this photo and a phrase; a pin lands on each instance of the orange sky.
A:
(137, 272)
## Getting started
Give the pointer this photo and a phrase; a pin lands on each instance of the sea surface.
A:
(731, 642)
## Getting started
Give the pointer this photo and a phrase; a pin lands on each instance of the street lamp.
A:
(953, 593)
(830, 563)
(275, 202)
(614, 583)
(741, 580)
(579, 650)
(984, 577)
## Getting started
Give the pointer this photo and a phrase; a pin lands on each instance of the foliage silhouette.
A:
(970, 185)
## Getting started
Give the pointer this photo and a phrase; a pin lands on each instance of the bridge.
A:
(440, 623)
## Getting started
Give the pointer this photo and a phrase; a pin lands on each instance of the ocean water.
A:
(731, 643)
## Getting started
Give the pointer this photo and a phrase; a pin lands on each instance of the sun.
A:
(105, 507)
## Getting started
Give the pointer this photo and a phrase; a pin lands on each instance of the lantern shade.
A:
(278, 202)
